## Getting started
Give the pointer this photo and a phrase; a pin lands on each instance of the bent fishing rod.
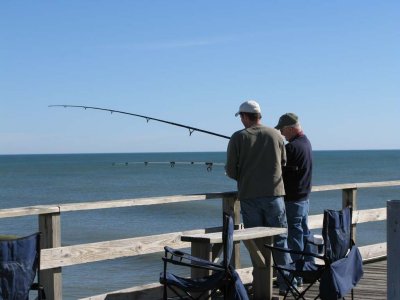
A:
(191, 129)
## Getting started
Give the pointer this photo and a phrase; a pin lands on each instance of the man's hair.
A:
(252, 116)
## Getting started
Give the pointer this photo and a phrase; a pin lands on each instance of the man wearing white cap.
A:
(255, 156)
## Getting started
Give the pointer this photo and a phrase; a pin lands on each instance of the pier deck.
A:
(371, 286)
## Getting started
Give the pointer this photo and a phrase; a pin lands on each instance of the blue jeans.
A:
(269, 212)
(298, 231)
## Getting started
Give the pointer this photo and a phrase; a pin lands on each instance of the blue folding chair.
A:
(342, 268)
(19, 265)
(224, 280)
(343, 259)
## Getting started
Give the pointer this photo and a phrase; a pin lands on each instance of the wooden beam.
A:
(28, 211)
(85, 253)
(91, 205)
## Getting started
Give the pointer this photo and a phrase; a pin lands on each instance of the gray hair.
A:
(297, 126)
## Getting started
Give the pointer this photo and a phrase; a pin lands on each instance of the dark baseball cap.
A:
(287, 119)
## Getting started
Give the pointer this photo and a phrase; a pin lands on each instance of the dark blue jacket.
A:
(297, 174)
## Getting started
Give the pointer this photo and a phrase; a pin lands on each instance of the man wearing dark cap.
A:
(297, 175)
(255, 156)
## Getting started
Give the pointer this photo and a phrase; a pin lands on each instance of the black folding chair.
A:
(342, 262)
(223, 282)
(19, 265)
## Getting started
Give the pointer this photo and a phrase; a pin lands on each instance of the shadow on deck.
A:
(371, 286)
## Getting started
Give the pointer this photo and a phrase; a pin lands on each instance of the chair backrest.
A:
(227, 239)
(345, 265)
(337, 233)
(19, 265)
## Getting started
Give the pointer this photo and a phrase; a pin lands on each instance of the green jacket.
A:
(255, 157)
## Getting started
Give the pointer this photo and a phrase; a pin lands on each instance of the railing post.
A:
(393, 249)
(349, 198)
(51, 279)
(231, 204)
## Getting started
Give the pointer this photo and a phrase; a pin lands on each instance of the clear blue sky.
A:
(334, 63)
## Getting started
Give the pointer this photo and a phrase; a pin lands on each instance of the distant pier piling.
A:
(209, 165)
(393, 249)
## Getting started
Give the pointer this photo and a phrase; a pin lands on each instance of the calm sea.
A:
(52, 179)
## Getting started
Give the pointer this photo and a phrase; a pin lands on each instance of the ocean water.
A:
(27, 180)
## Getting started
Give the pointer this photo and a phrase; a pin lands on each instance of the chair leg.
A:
(165, 296)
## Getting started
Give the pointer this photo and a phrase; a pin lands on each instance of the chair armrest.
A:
(175, 252)
(178, 257)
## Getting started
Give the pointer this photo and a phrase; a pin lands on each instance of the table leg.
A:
(204, 251)
(262, 267)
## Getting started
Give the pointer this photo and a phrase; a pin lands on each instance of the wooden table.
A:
(208, 246)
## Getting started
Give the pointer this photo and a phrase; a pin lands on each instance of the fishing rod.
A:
(191, 129)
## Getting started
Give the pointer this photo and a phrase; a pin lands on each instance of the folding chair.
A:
(19, 265)
(223, 281)
(342, 262)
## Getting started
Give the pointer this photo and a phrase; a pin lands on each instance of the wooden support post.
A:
(349, 198)
(393, 249)
(50, 227)
(231, 205)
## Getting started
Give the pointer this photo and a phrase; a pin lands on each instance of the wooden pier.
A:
(55, 257)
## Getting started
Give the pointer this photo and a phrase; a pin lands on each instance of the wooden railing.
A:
(54, 256)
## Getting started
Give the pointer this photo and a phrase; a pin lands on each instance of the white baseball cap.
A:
(250, 106)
